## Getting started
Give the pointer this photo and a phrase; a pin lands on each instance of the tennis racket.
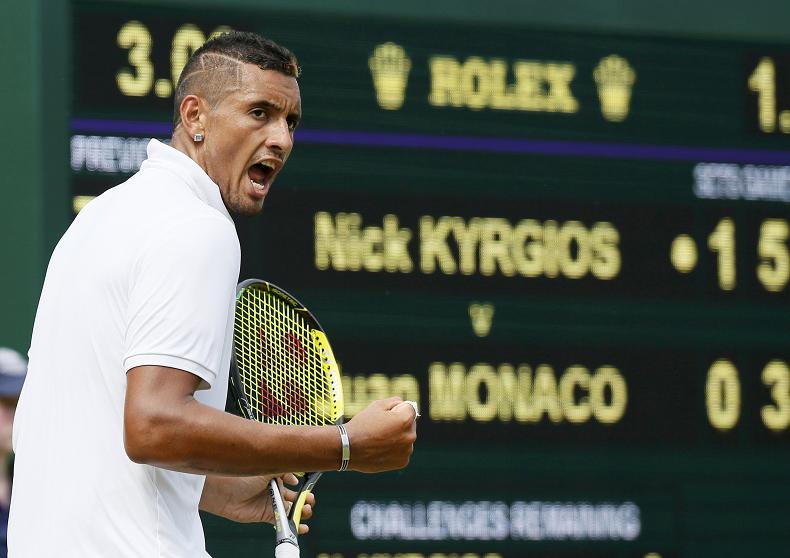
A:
(283, 372)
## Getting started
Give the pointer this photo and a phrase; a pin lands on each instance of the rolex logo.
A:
(389, 66)
(614, 77)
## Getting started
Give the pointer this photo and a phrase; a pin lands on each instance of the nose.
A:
(279, 138)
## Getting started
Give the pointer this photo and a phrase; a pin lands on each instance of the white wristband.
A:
(346, 447)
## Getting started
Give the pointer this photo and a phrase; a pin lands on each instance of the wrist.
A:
(345, 451)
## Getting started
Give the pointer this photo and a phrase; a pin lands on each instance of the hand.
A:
(247, 499)
(382, 436)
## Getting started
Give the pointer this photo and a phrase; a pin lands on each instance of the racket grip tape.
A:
(286, 550)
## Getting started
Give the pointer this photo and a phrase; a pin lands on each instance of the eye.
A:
(258, 113)
(292, 123)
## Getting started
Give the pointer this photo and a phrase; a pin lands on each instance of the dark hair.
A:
(213, 66)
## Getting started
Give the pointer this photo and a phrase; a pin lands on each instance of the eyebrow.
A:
(264, 103)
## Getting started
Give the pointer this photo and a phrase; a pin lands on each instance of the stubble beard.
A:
(239, 204)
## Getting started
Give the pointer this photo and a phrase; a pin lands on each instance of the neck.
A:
(187, 146)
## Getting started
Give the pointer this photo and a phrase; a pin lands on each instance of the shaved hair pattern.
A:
(214, 69)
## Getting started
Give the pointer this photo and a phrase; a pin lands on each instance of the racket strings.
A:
(280, 366)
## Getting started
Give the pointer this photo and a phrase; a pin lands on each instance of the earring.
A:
(198, 137)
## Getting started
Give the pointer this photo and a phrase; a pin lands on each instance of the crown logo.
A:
(389, 65)
(614, 77)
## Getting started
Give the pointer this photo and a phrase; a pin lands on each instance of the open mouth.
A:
(261, 174)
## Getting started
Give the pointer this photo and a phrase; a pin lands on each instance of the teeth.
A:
(268, 164)
(256, 185)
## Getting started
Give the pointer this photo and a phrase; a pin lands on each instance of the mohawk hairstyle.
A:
(216, 66)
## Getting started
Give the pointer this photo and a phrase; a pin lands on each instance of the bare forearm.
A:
(214, 497)
(164, 425)
(203, 440)
(247, 499)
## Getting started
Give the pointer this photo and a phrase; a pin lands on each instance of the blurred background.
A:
(562, 227)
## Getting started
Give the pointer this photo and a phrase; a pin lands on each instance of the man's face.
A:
(249, 135)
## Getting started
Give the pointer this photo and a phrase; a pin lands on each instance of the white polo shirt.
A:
(145, 275)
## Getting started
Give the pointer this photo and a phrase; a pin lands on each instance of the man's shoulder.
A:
(152, 183)
(147, 189)
(163, 195)
(154, 205)
(201, 230)
(201, 222)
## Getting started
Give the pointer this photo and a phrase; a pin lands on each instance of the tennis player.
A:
(120, 435)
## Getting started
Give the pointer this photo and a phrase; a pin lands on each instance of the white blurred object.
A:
(413, 405)
(12, 363)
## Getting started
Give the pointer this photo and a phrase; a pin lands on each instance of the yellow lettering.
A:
(529, 78)
(406, 387)
(373, 249)
(606, 259)
(611, 412)
(446, 386)
(723, 395)
(467, 237)
(502, 95)
(545, 393)
(575, 410)
(396, 246)
(560, 98)
(485, 393)
(574, 266)
(773, 271)
(514, 394)
(722, 241)
(445, 77)
(475, 83)
(336, 241)
(434, 247)
(528, 248)
(478, 84)
(135, 37)
(777, 416)
(360, 391)
(551, 264)
(496, 238)
(488, 245)
(482, 393)
(341, 244)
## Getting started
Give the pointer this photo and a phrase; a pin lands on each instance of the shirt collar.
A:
(163, 156)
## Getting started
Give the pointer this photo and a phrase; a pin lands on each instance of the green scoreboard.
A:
(570, 248)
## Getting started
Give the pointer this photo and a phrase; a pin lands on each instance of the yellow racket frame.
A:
(283, 370)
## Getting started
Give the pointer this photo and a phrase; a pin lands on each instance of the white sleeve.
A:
(182, 296)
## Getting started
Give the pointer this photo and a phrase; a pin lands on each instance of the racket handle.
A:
(287, 546)
(286, 550)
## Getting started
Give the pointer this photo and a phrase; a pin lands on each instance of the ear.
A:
(193, 116)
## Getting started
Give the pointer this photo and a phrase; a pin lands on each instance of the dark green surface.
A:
(21, 224)
(759, 20)
(34, 192)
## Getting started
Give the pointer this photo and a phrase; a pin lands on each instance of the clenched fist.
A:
(382, 436)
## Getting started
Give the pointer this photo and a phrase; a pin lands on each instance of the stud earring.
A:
(198, 137)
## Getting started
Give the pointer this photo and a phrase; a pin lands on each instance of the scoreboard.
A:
(570, 248)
